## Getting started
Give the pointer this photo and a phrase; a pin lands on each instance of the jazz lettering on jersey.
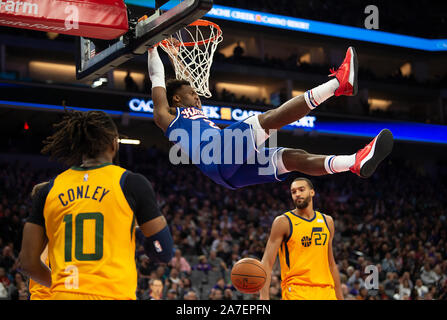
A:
(83, 192)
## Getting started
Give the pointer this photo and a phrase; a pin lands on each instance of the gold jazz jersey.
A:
(36, 290)
(304, 256)
(90, 229)
(89, 216)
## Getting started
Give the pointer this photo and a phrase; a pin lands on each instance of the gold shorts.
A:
(304, 292)
(40, 296)
(76, 296)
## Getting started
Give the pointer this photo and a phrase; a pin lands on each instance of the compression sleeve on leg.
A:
(155, 68)
(260, 135)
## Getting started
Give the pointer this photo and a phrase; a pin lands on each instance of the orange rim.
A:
(199, 23)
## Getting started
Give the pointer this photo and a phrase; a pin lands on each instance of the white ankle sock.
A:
(336, 164)
(320, 94)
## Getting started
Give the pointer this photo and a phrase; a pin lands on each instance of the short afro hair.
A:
(172, 87)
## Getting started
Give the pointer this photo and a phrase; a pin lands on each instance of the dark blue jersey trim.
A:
(50, 185)
(324, 218)
(123, 179)
(286, 248)
(132, 227)
(315, 215)
(131, 205)
(291, 229)
(286, 251)
(177, 116)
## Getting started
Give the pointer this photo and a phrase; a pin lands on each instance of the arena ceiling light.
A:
(99, 82)
(129, 141)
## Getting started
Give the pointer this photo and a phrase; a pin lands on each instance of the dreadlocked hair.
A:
(80, 134)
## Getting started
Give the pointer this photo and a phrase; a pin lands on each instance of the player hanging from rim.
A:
(177, 107)
(87, 216)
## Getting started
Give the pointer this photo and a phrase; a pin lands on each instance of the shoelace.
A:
(333, 72)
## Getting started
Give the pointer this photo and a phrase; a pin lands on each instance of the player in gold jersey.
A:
(303, 240)
(87, 216)
(36, 290)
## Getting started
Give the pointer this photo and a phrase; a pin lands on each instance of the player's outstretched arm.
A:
(280, 230)
(332, 264)
(162, 115)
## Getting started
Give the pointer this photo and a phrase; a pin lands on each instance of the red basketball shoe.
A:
(346, 75)
(368, 158)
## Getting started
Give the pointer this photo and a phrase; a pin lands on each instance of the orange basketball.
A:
(248, 275)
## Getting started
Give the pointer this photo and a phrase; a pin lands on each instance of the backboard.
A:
(94, 57)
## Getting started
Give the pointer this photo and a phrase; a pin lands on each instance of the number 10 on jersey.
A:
(79, 236)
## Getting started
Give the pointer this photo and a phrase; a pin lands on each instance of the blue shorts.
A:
(241, 162)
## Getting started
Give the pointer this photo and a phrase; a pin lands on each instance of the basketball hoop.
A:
(192, 50)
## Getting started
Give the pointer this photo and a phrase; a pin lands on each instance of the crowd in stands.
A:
(417, 110)
(292, 63)
(407, 17)
(396, 221)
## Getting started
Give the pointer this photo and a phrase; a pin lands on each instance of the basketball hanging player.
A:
(303, 240)
(87, 216)
(178, 110)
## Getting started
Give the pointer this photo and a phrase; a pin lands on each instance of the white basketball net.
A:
(192, 50)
